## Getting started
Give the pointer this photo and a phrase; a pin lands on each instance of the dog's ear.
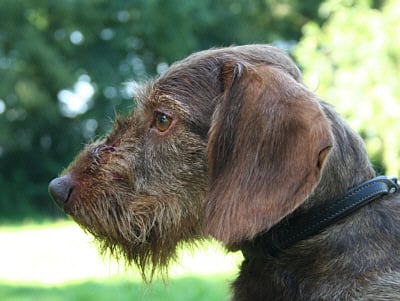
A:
(267, 145)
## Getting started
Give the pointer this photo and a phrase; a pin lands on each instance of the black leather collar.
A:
(300, 226)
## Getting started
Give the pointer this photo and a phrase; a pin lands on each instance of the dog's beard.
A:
(144, 231)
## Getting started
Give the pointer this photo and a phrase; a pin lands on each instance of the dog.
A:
(230, 143)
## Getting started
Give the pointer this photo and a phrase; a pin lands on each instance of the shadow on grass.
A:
(191, 288)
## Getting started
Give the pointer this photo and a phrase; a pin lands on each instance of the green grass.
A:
(185, 289)
(57, 261)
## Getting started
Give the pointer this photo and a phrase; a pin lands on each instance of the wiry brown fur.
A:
(248, 145)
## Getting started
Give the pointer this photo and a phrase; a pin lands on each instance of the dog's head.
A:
(227, 142)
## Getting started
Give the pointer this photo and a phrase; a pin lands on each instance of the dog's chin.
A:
(146, 255)
(140, 244)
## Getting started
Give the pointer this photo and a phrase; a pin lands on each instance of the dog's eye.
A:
(162, 121)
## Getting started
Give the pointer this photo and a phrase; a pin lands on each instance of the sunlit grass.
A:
(58, 261)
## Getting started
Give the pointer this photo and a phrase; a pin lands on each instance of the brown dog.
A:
(230, 143)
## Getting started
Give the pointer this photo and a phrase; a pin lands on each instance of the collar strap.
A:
(300, 226)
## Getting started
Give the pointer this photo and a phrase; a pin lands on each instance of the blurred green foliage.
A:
(353, 60)
(66, 67)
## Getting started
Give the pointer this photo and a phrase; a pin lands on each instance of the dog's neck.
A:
(301, 225)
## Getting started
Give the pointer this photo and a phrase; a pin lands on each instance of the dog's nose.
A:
(60, 190)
